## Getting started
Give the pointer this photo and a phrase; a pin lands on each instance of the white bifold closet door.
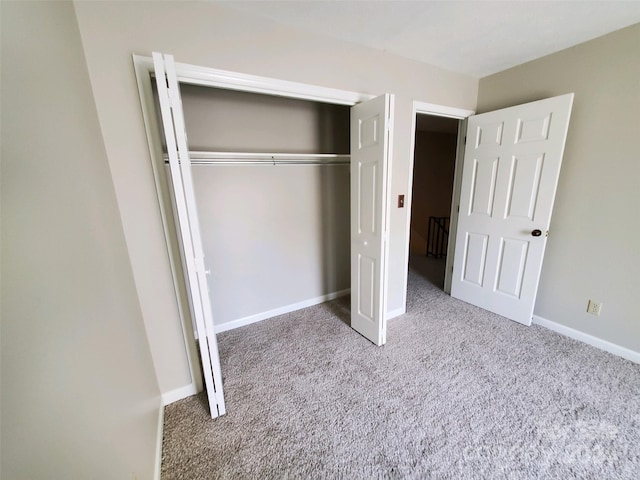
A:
(370, 157)
(189, 229)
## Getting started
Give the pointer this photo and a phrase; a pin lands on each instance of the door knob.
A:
(536, 233)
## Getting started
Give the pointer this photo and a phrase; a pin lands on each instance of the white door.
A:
(370, 158)
(189, 229)
(510, 173)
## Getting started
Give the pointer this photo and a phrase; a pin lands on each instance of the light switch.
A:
(400, 201)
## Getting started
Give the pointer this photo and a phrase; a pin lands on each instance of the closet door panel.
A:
(188, 225)
(370, 147)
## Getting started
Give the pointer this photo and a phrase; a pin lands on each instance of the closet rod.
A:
(229, 158)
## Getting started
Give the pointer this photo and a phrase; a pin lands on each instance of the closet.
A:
(272, 189)
(273, 196)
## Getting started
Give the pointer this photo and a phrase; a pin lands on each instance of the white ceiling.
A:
(477, 38)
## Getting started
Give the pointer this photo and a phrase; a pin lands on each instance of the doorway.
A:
(434, 162)
(433, 127)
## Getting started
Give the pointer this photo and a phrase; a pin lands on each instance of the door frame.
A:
(216, 78)
(447, 112)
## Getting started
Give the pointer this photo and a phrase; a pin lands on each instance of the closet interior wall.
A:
(274, 235)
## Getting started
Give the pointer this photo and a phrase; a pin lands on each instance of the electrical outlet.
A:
(594, 307)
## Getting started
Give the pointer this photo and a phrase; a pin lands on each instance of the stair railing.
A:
(438, 237)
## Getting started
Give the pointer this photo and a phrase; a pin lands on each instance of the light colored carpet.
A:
(456, 392)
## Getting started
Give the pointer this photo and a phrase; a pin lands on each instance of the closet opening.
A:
(271, 182)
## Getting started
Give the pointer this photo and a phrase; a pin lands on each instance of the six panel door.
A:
(510, 174)
(370, 132)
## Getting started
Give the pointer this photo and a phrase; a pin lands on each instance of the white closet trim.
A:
(241, 158)
(211, 77)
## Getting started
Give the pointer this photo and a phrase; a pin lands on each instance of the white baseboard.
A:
(241, 322)
(158, 468)
(590, 339)
(395, 313)
(178, 394)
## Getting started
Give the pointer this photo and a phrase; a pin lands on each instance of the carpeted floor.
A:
(455, 393)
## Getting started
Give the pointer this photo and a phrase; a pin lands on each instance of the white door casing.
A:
(370, 157)
(510, 174)
(188, 225)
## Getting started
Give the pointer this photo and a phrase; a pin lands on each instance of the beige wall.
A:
(593, 249)
(433, 168)
(232, 121)
(79, 393)
(273, 236)
(208, 34)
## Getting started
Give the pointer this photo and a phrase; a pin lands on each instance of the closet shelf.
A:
(227, 158)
